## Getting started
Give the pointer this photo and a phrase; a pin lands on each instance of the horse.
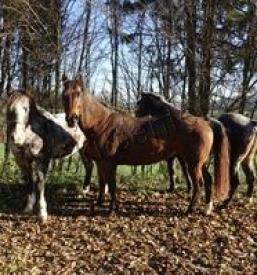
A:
(36, 136)
(242, 134)
(121, 139)
(242, 137)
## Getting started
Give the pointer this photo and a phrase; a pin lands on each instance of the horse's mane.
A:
(116, 109)
(174, 112)
(15, 94)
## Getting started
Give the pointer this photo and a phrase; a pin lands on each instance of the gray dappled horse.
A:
(35, 135)
(242, 135)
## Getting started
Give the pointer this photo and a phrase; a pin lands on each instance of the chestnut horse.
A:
(118, 139)
(242, 137)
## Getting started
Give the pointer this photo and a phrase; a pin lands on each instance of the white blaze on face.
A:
(21, 110)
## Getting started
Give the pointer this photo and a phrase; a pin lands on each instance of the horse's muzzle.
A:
(17, 140)
(71, 120)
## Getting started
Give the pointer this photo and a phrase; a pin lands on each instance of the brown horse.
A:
(242, 137)
(117, 139)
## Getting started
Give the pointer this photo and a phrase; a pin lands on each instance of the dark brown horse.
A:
(117, 139)
(242, 136)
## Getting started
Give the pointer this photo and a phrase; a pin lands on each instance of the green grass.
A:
(70, 172)
(1, 150)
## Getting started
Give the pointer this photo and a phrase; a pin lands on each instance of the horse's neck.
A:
(44, 113)
(93, 113)
(174, 112)
(39, 114)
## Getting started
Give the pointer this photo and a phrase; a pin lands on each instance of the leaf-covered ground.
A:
(149, 234)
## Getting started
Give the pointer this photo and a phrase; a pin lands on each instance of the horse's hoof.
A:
(209, 208)
(43, 215)
(27, 210)
(171, 190)
(43, 219)
(223, 206)
(99, 203)
(190, 210)
(85, 190)
(251, 200)
(113, 208)
(106, 189)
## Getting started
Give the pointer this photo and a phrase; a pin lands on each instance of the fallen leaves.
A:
(149, 234)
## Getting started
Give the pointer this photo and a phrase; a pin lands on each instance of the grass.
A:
(70, 172)
(1, 150)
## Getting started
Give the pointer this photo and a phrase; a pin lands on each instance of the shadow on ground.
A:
(69, 201)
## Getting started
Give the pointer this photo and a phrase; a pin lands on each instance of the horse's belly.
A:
(150, 152)
(61, 150)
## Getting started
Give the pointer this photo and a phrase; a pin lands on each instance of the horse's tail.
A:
(221, 150)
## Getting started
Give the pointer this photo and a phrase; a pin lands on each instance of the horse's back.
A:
(75, 132)
(237, 124)
(62, 140)
(241, 133)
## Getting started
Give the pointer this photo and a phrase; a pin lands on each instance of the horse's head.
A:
(151, 104)
(71, 97)
(18, 114)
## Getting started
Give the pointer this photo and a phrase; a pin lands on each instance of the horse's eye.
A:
(25, 109)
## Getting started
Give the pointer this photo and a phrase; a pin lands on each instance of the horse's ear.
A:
(143, 94)
(28, 92)
(64, 77)
(10, 91)
(79, 79)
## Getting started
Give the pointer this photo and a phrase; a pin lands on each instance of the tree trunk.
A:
(249, 61)
(84, 61)
(190, 54)
(114, 6)
(205, 76)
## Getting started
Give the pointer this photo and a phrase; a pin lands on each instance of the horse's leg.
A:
(42, 167)
(186, 174)
(171, 171)
(112, 187)
(250, 173)
(27, 174)
(234, 182)
(31, 196)
(88, 165)
(107, 175)
(195, 172)
(101, 181)
(208, 190)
